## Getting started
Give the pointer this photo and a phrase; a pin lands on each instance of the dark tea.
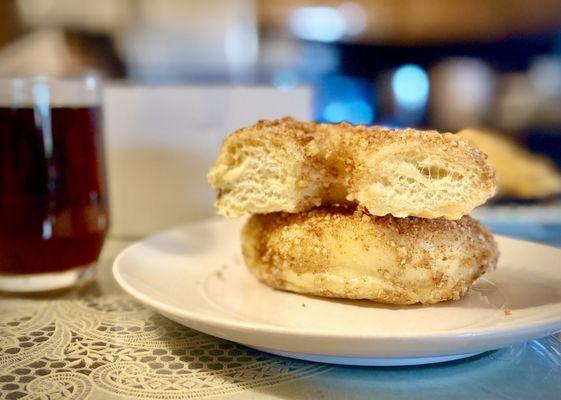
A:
(53, 196)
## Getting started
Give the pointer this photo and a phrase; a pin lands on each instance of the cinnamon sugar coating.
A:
(293, 166)
(348, 253)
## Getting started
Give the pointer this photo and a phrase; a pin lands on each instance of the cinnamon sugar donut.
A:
(521, 174)
(291, 166)
(347, 253)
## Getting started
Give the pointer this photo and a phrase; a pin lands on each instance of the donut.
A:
(291, 166)
(345, 252)
(521, 174)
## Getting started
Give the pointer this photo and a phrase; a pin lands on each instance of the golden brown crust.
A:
(338, 163)
(348, 253)
(521, 174)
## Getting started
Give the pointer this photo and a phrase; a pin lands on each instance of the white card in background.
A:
(161, 141)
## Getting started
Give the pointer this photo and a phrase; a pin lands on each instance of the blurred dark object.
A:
(410, 22)
(94, 52)
(9, 26)
(60, 38)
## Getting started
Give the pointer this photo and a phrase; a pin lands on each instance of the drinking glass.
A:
(53, 191)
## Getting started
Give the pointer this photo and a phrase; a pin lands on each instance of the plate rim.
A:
(549, 324)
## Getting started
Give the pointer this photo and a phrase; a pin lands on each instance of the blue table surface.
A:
(525, 371)
(544, 233)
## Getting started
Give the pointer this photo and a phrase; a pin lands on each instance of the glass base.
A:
(35, 283)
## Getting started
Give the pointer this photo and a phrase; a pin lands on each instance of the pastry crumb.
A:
(506, 311)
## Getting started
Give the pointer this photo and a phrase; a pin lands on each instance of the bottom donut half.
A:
(346, 253)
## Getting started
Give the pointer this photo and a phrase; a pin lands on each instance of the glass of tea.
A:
(53, 192)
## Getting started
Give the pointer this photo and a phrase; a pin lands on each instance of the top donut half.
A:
(292, 166)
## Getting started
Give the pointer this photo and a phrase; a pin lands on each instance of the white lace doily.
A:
(112, 347)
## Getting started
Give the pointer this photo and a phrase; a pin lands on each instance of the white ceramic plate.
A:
(195, 275)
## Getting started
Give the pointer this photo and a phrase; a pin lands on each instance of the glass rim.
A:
(26, 91)
(39, 78)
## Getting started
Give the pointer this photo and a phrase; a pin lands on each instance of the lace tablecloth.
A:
(113, 346)
(99, 344)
